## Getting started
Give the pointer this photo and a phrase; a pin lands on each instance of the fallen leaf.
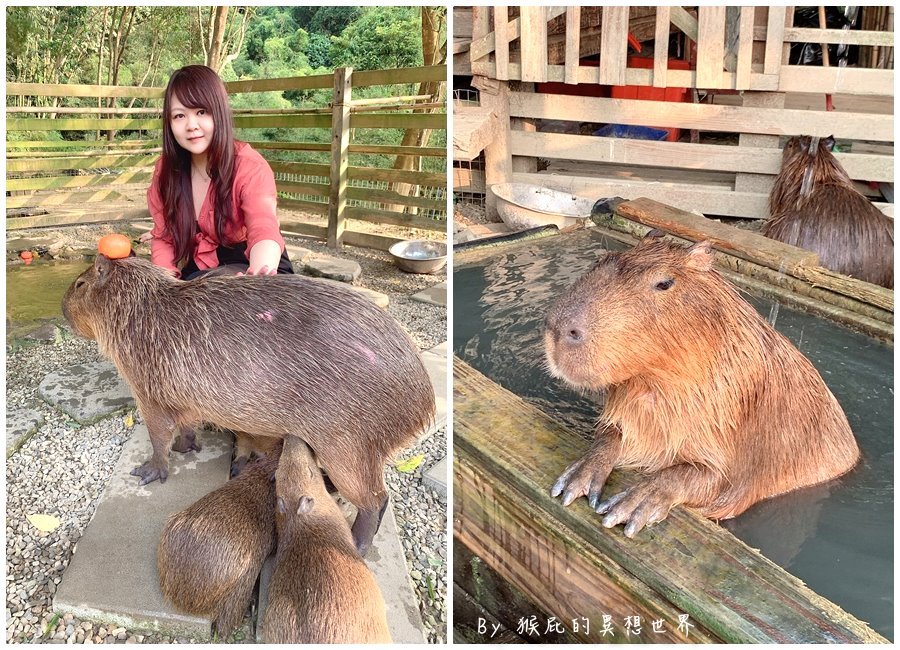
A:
(44, 523)
(410, 464)
(129, 419)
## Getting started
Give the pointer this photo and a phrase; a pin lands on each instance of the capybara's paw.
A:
(185, 442)
(637, 507)
(581, 478)
(150, 472)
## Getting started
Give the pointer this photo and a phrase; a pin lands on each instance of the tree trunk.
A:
(433, 53)
(218, 21)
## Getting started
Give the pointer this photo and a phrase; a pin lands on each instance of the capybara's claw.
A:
(149, 473)
(636, 508)
(579, 479)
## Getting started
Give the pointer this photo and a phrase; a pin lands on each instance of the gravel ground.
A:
(63, 469)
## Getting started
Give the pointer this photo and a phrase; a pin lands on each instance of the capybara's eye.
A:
(664, 284)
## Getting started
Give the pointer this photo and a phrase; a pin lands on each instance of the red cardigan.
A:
(253, 196)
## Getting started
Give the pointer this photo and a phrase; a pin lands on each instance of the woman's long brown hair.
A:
(197, 86)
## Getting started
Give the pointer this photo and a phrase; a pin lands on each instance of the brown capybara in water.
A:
(278, 356)
(321, 589)
(814, 205)
(704, 396)
(210, 554)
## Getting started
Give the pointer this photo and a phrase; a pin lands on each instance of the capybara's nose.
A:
(573, 336)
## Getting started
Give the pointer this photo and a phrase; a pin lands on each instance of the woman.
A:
(212, 198)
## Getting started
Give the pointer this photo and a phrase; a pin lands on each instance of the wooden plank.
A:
(533, 30)
(685, 22)
(388, 196)
(400, 121)
(313, 207)
(310, 189)
(564, 560)
(82, 90)
(61, 198)
(95, 162)
(83, 110)
(300, 169)
(704, 117)
(385, 149)
(755, 248)
(131, 151)
(745, 49)
(854, 81)
(428, 179)
(422, 74)
(573, 37)
(661, 46)
(75, 217)
(340, 143)
(60, 182)
(81, 124)
(747, 205)
(683, 155)
(830, 36)
(710, 46)
(497, 153)
(468, 181)
(613, 46)
(501, 42)
(79, 144)
(474, 127)
(351, 238)
(395, 218)
(774, 40)
(311, 82)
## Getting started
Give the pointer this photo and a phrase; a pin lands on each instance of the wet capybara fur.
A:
(813, 205)
(210, 554)
(321, 589)
(277, 356)
(715, 407)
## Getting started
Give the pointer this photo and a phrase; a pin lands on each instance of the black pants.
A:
(232, 256)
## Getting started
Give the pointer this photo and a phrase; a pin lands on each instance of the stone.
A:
(434, 295)
(298, 254)
(87, 392)
(20, 424)
(435, 361)
(436, 478)
(332, 268)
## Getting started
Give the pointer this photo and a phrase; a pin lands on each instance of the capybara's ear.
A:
(654, 234)
(102, 268)
(279, 505)
(829, 143)
(306, 505)
(701, 256)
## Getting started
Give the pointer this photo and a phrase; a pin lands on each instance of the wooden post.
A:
(497, 155)
(758, 182)
(340, 149)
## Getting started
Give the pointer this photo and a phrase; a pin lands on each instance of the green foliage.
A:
(382, 37)
(318, 51)
(331, 21)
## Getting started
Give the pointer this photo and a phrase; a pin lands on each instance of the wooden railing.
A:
(67, 175)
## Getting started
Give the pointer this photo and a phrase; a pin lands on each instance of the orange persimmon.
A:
(114, 246)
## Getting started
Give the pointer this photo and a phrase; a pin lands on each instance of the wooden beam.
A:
(774, 40)
(501, 41)
(745, 50)
(705, 117)
(565, 561)
(351, 238)
(82, 90)
(613, 46)
(830, 36)
(685, 22)
(573, 37)
(661, 46)
(77, 217)
(340, 145)
(710, 46)
(533, 28)
(396, 219)
(474, 127)
(62, 182)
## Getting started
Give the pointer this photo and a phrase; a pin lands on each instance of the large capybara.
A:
(277, 356)
(814, 205)
(210, 554)
(704, 396)
(321, 589)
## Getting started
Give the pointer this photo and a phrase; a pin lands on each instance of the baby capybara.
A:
(210, 554)
(814, 205)
(704, 396)
(277, 356)
(321, 590)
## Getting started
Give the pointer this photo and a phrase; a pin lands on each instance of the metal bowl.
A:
(522, 206)
(419, 255)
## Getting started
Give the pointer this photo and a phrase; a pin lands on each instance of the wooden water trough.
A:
(521, 554)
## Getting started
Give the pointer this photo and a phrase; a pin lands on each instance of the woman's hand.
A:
(264, 258)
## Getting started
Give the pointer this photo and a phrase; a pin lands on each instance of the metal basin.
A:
(522, 206)
(419, 255)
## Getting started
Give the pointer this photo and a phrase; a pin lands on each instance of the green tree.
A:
(382, 37)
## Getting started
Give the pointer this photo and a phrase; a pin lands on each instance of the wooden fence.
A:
(736, 57)
(81, 181)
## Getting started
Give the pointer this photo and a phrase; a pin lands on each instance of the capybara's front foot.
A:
(642, 505)
(151, 471)
(186, 441)
(582, 478)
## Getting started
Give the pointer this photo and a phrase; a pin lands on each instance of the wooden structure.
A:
(738, 61)
(80, 181)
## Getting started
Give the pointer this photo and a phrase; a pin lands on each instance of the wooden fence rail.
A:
(44, 173)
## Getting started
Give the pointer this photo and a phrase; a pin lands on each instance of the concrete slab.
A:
(333, 268)
(436, 295)
(380, 299)
(436, 478)
(86, 392)
(112, 576)
(298, 255)
(20, 423)
(387, 562)
(435, 361)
